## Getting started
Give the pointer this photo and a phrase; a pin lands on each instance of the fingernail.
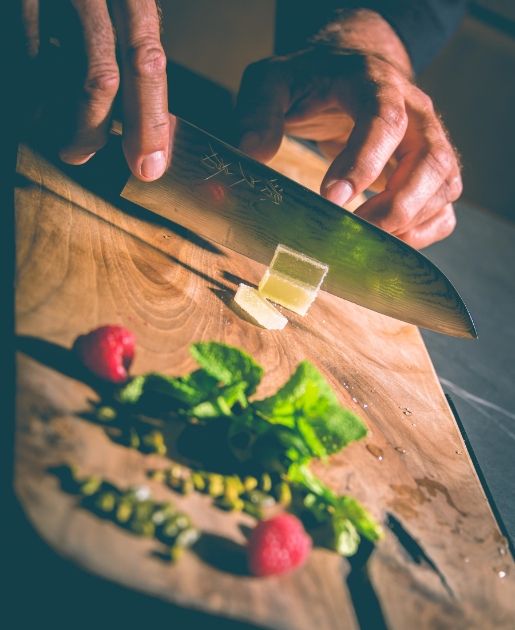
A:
(250, 141)
(75, 160)
(339, 191)
(153, 165)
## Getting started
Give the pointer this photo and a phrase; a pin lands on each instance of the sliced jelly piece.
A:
(282, 290)
(259, 309)
(293, 279)
(299, 267)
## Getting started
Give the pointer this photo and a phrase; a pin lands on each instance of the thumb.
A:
(263, 101)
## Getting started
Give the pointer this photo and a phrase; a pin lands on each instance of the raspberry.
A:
(107, 351)
(277, 545)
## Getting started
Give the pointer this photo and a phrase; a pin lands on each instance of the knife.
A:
(227, 197)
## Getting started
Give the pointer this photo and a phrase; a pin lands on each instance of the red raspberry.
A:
(277, 545)
(107, 351)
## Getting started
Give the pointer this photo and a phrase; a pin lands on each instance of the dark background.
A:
(472, 82)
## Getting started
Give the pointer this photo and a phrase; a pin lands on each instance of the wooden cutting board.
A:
(82, 262)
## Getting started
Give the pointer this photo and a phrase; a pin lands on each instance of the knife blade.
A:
(227, 197)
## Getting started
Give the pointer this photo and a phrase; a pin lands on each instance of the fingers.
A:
(426, 178)
(30, 18)
(377, 133)
(263, 100)
(100, 86)
(438, 227)
(413, 193)
(146, 138)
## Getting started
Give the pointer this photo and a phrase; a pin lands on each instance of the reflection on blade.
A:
(225, 196)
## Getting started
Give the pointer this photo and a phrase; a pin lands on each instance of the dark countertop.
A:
(479, 376)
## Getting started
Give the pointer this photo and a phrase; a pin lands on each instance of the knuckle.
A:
(454, 188)
(399, 217)
(102, 82)
(425, 103)
(393, 115)
(147, 59)
(401, 214)
(440, 159)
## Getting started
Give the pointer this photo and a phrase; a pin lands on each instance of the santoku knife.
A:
(225, 196)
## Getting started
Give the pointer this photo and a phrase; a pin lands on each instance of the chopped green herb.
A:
(228, 365)
(273, 439)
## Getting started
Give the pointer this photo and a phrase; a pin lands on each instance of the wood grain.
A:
(82, 262)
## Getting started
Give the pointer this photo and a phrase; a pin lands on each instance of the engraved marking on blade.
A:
(249, 179)
(216, 163)
(272, 191)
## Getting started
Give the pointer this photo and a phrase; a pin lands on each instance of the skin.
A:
(139, 76)
(352, 92)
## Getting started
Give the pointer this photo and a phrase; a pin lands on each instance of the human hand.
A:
(140, 76)
(365, 113)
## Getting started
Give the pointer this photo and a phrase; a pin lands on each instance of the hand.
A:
(366, 114)
(141, 75)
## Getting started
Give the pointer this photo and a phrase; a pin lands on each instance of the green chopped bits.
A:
(105, 501)
(124, 511)
(106, 413)
(90, 485)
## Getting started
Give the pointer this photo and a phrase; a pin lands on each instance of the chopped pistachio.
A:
(141, 493)
(231, 505)
(175, 553)
(266, 482)
(215, 485)
(186, 486)
(143, 528)
(124, 510)
(187, 537)
(283, 494)
(134, 439)
(106, 413)
(233, 487)
(154, 442)
(143, 510)
(250, 483)
(105, 501)
(174, 525)
(253, 510)
(90, 485)
(162, 512)
(260, 498)
(199, 481)
(170, 530)
(174, 476)
(157, 475)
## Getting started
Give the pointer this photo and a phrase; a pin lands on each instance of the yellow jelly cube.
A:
(293, 279)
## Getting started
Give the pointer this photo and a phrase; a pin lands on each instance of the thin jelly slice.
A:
(293, 279)
(259, 309)
(298, 267)
(282, 290)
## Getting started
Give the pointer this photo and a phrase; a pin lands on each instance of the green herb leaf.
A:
(190, 389)
(363, 521)
(131, 392)
(186, 390)
(346, 538)
(221, 402)
(308, 404)
(228, 365)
